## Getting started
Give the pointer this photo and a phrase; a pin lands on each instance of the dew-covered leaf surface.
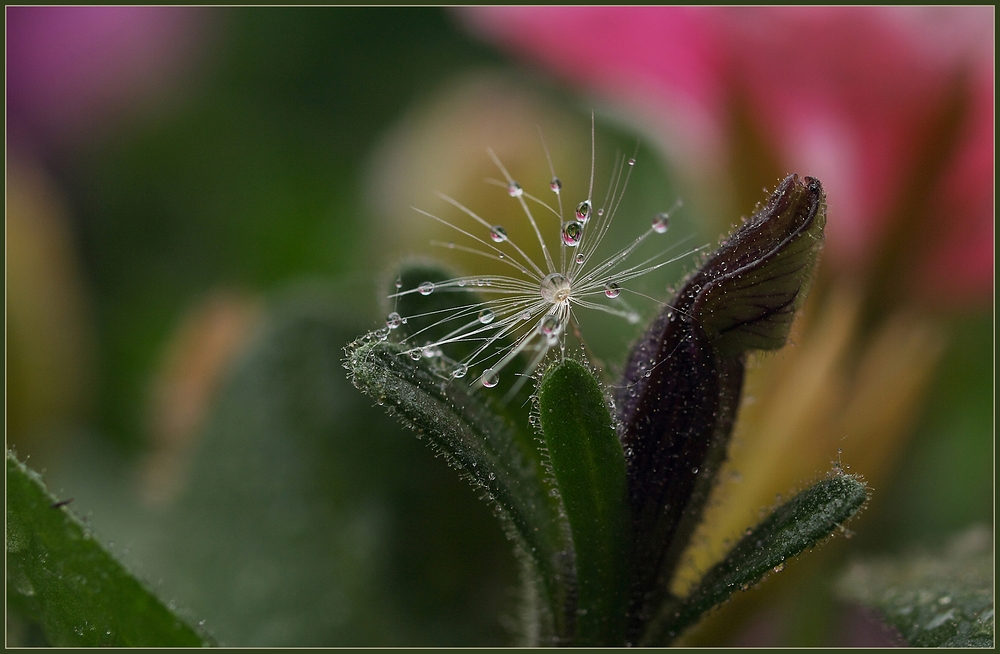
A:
(934, 601)
(60, 577)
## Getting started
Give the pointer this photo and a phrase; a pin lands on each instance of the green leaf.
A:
(481, 444)
(58, 576)
(589, 467)
(799, 524)
(934, 601)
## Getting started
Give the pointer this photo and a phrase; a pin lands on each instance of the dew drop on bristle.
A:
(393, 320)
(525, 315)
(399, 283)
(515, 190)
(415, 355)
(661, 222)
(612, 289)
(631, 162)
(498, 234)
(572, 233)
(549, 325)
(459, 371)
(490, 378)
(555, 185)
(583, 211)
(580, 258)
(600, 212)
(486, 316)
(426, 288)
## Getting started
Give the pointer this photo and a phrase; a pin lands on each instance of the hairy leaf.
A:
(58, 576)
(589, 468)
(795, 526)
(481, 444)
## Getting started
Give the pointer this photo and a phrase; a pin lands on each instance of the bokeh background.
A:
(205, 205)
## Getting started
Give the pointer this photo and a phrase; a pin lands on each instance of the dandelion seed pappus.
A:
(531, 311)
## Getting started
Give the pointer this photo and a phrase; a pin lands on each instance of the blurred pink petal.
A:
(848, 95)
(73, 69)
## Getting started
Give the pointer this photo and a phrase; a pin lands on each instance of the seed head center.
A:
(555, 288)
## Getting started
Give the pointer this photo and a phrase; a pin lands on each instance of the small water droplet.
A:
(580, 258)
(525, 315)
(572, 233)
(462, 283)
(600, 212)
(514, 189)
(631, 162)
(201, 623)
(779, 567)
(459, 371)
(415, 355)
(486, 316)
(491, 476)
(583, 211)
(694, 470)
(399, 283)
(661, 222)
(612, 289)
(426, 288)
(555, 185)
(490, 378)
(393, 320)
(498, 234)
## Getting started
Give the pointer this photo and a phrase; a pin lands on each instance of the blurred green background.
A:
(182, 279)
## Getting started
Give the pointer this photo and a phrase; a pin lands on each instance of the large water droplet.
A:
(498, 234)
(612, 289)
(490, 378)
(583, 211)
(572, 233)
(459, 371)
(426, 288)
(486, 316)
(661, 222)
(549, 325)
(393, 320)
(514, 189)
(555, 185)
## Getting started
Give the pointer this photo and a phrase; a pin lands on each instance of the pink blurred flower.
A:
(73, 70)
(849, 95)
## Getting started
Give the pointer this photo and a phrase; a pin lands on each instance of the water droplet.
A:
(631, 162)
(583, 211)
(555, 185)
(572, 233)
(490, 378)
(399, 283)
(514, 189)
(661, 222)
(415, 355)
(612, 289)
(393, 320)
(486, 316)
(462, 283)
(201, 623)
(525, 315)
(426, 288)
(600, 212)
(459, 371)
(549, 325)
(580, 258)
(779, 567)
(498, 234)
(491, 476)
(694, 470)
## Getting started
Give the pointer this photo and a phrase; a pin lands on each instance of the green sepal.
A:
(588, 464)
(797, 525)
(481, 444)
(61, 578)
